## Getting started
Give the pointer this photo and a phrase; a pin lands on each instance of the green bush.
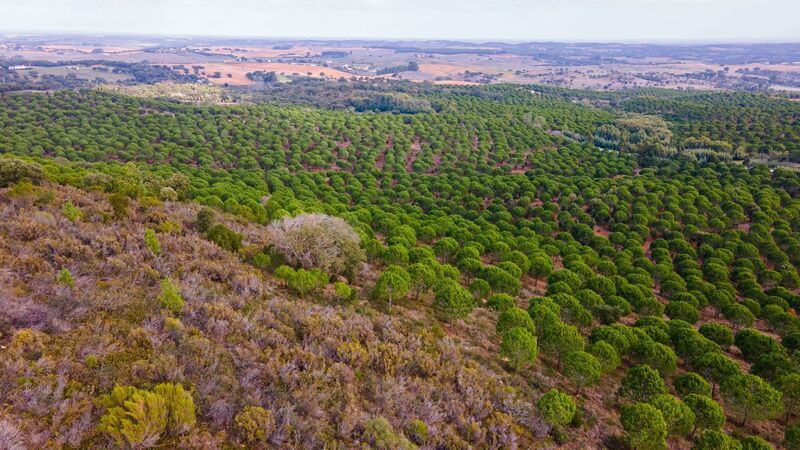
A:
(343, 291)
(262, 260)
(644, 426)
(151, 241)
(65, 278)
(715, 440)
(180, 405)
(134, 417)
(556, 408)
(254, 425)
(204, 220)
(303, 281)
(641, 383)
(119, 205)
(71, 212)
(678, 417)
(515, 317)
(170, 297)
(13, 170)
(452, 301)
(500, 302)
(606, 355)
(791, 437)
(691, 383)
(582, 370)
(379, 432)
(225, 238)
(392, 285)
(519, 346)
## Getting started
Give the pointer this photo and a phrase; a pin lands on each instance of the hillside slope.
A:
(324, 371)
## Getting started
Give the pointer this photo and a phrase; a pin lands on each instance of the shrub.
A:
(174, 327)
(204, 220)
(28, 344)
(791, 437)
(284, 273)
(254, 425)
(678, 417)
(225, 238)
(755, 443)
(134, 417)
(423, 278)
(691, 383)
(119, 205)
(10, 436)
(708, 414)
(582, 369)
(718, 333)
(14, 170)
(641, 383)
(169, 227)
(342, 291)
(379, 432)
(645, 426)
(262, 260)
(452, 301)
(71, 212)
(655, 355)
(170, 297)
(180, 405)
(151, 241)
(558, 339)
(715, 440)
(519, 346)
(750, 397)
(65, 278)
(500, 302)
(754, 344)
(392, 285)
(556, 408)
(318, 240)
(167, 194)
(606, 355)
(682, 311)
(417, 431)
(302, 282)
(515, 317)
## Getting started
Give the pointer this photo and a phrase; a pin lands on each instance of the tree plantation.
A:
(496, 267)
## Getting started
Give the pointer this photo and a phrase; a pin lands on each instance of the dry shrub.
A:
(318, 241)
(10, 436)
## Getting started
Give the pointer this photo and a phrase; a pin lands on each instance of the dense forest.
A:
(399, 266)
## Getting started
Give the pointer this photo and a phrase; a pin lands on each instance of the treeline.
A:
(140, 72)
(412, 66)
(398, 103)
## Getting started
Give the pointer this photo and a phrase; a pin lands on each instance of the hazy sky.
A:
(573, 20)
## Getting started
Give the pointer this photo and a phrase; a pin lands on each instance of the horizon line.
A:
(7, 33)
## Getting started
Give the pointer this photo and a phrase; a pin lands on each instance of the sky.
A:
(508, 20)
